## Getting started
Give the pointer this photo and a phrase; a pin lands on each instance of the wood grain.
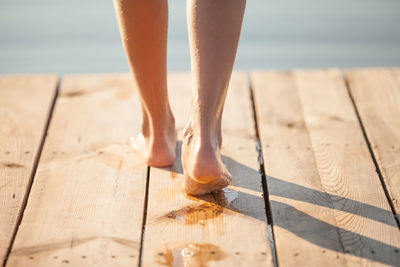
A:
(367, 228)
(376, 94)
(328, 205)
(86, 202)
(25, 102)
(303, 220)
(87, 198)
(227, 228)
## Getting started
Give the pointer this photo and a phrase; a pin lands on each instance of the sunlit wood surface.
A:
(314, 154)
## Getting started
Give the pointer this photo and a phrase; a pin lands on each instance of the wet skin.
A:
(214, 30)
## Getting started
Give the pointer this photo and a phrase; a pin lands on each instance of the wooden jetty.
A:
(314, 154)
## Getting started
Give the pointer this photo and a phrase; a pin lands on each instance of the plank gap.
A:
(205, 227)
(260, 159)
(146, 199)
(378, 170)
(86, 173)
(33, 173)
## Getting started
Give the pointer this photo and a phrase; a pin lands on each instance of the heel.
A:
(194, 187)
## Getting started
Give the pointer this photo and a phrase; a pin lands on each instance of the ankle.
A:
(205, 135)
(158, 126)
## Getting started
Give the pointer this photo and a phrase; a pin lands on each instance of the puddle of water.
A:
(194, 214)
(199, 212)
(191, 254)
(225, 196)
(173, 174)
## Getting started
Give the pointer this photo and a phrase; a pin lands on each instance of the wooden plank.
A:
(87, 198)
(368, 230)
(376, 94)
(328, 206)
(227, 228)
(25, 102)
(303, 220)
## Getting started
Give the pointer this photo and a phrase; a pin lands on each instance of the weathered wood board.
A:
(304, 224)
(376, 94)
(86, 202)
(25, 103)
(328, 205)
(227, 228)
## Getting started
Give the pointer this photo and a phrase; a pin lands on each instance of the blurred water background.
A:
(78, 36)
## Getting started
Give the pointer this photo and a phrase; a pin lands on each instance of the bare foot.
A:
(201, 160)
(157, 149)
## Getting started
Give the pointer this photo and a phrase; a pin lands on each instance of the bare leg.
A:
(214, 30)
(143, 27)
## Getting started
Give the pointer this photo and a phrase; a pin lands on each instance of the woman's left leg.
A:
(214, 30)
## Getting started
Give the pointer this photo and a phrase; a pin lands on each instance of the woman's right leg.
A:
(143, 26)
